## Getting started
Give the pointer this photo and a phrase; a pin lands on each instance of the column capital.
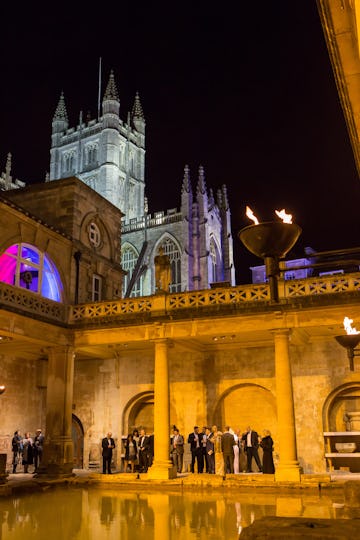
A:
(281, 332)
(59, 349)
(163, 341)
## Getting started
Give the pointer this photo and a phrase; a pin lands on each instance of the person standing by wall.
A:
(196, 450)
(16, 448)
(108, 445)
(130, 453)
(210, 451)
(178, 450)
(251, 445)
(227, 446)
(144, 451)
(27, 452)
(267, 444)
(38, 448)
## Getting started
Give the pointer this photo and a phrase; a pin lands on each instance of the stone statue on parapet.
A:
(162, 272)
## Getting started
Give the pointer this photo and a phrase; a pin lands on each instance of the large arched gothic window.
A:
(23, 265)
(172, 251)
(129, 257)
(215, 267)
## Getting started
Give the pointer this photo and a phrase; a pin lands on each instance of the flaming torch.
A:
(270, 240)
(350, 340)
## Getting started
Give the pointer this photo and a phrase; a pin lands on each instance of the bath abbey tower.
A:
(108, 154)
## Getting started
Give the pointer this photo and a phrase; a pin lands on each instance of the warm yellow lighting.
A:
(349, 329)
(2, 389)
(287, 218)
(250, 215)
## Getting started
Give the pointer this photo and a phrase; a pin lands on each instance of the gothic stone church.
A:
(108, 155)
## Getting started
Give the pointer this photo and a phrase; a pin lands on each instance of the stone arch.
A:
(344, 398)
(139, 413)
(246, 404)
(77, 434)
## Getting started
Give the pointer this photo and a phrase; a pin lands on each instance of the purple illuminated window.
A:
(25, 266)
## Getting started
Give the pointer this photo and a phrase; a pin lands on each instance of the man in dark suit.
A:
(227, 448)
(144, 451)
(210, 449)
(194, 440)
(108, 444)
(251, 445)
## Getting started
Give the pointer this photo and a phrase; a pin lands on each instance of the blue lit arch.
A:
(23, 265)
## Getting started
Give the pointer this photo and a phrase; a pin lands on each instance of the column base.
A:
(57, 460)
(289, 472)
(162, 470)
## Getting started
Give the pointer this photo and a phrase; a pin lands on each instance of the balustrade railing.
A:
(24, 300)
(240, 295)
(27, 301)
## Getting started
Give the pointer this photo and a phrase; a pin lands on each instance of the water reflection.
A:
(77, 513)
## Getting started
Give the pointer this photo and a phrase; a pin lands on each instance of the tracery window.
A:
(172, 251)
(23, 265)
(129, 257)
(215, 268)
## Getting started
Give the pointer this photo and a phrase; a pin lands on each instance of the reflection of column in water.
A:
(159, 502)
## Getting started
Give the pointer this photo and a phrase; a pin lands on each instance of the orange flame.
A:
(250, 215)
(347, 325)
(287, 218)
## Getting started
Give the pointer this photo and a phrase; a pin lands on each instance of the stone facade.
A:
(108, 155)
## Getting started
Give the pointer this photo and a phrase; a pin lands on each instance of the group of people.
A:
(27, 450)
(229, 446)
(139, 450)
(213, 451)
(139, 447)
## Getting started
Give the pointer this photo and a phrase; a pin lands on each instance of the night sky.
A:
(248, 92)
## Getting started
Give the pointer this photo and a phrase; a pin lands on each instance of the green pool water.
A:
(91, 513)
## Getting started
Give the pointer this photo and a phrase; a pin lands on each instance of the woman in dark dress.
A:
(267, 444)
(130, 452)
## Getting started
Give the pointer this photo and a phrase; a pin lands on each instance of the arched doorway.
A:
(139, 413)
(77, 433)
(235, 408)
(340, 408)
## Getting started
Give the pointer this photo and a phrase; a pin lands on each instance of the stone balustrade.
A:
(241, 295)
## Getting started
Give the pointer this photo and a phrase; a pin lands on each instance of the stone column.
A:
(162, 467)
(58, 455)
(288, 469)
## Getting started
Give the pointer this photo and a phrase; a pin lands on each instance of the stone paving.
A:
(20, 482)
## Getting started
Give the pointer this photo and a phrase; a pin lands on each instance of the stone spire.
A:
(201, 186)
(137, 111)
(111, 92)
(137, 115)
(7, 176)
(224, 198)
(186, 185)
(60, 121)
(61, 113)
(111, 104)
(211, 199)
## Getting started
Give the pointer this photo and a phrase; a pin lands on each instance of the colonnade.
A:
(58, 448)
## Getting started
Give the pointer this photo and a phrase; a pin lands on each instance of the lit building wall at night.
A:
(108, 155)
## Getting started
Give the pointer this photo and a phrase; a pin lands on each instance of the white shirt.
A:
(248, 439)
